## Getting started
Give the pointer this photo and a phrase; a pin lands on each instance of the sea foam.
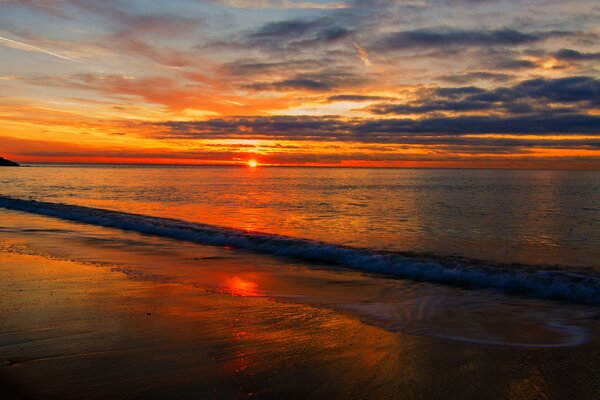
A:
(541, 283)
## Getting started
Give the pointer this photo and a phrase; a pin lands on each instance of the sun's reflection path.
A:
(237, 286)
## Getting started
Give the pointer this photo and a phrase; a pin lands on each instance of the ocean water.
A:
(530, 217)
(535, 233)
(506, 258)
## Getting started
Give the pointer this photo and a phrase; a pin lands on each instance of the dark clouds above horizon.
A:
(441, 79)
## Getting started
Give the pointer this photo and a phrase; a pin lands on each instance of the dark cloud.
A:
(298, 83)
(323, 29)
(459, 92)
(513, 64)
(251, 68)
(574, 55)
(316, 82)
(291, 35)
(444, 37)
(331, 128)
(468, 77)
(573, 93)
(283, 127)
(569, 90)
(538, 124)
(438, 105)
(354, 97)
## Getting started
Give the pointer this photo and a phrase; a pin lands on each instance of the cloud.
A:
(362, 54)
(322, 81)
(538, 124)
(573, 94)
(574, 55)
(249, 68)
(135, 32)
(331, 128)
(525, 76)
(575, 89)
(283, 4)
(298, 33)
(292, 36)
(28, 47)
(468, 77)
(513, 64)
(483, 151)
(49, 7)
(444, 37)
(354, 98)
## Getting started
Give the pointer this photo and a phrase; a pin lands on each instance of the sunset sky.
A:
(424, 83)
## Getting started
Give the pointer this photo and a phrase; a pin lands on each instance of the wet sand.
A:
(83, 315)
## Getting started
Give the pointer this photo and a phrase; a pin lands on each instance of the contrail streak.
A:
(35, 48)
(233, 102)
(362, 54)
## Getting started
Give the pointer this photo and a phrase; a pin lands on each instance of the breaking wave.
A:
(555, 284)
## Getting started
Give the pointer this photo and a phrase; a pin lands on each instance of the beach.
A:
(126, 315)
(299, 199)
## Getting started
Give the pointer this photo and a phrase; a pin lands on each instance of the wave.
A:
(540, 283)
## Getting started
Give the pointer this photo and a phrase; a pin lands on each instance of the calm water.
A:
(531, 217)
(505, 258)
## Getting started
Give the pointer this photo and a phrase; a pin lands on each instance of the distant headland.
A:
(7, 163)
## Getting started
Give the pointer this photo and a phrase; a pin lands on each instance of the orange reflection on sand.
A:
(237, 286)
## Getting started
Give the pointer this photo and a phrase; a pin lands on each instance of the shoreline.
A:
(183, 319)
(571, 286)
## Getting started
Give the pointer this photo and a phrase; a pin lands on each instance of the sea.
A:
(529, 239)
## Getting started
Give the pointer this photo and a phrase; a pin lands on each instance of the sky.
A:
(391, 83)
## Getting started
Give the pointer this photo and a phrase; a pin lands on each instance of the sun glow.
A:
(252, 164)
(237, 286)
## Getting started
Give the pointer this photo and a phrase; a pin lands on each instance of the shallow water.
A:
(397, 305)
(535, 234)
(529, 217)
(80, 331)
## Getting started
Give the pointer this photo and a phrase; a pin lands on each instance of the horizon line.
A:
(244, 165)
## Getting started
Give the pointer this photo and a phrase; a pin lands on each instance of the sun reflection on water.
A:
(237, 286)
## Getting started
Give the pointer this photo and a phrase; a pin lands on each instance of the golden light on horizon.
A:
(84, 100)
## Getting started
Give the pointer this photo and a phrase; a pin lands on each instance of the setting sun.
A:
(252, 164)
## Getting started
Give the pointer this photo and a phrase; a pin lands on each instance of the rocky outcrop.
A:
(7, 163)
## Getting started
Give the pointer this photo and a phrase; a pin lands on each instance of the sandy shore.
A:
(76, 324)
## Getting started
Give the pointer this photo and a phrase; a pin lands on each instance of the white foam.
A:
(564, 285)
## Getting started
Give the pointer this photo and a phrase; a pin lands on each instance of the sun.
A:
(252, 164)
